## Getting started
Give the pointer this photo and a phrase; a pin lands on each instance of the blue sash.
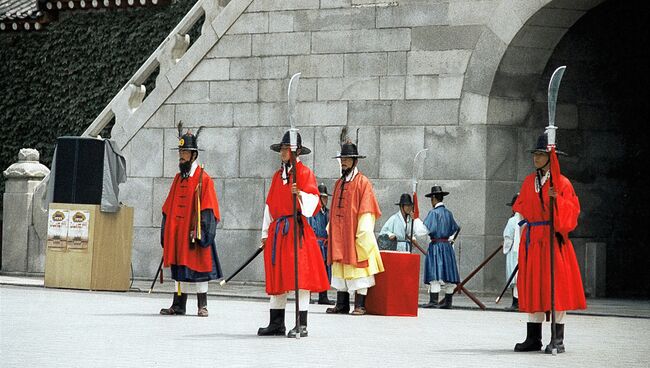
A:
(530, 224)
(284, 222)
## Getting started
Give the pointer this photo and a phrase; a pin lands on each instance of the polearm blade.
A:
(553, 88)
(292, 99)
(415, 168)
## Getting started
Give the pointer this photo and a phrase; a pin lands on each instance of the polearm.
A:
(467, 292)
(292, 95)
(553, 88)
(198, 204)
(453, 241)
(512, 277)
(248, 261)
(460, 286)
(195, 226)
(157, 273)
(415, 189)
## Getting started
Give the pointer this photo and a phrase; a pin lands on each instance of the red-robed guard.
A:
(189, 224)
(534, 278)
(277, 237)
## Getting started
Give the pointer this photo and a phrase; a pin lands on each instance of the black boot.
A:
(276, 324)
(178, 306)
(202, 303)
(446, 303)
(303, 326)
(533, 340)
(515, 305)
(342, 304)
(433, 301)
(559, 340)
(323, 299)
(359, 305)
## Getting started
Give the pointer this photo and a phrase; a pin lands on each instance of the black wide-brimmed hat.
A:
(512, 202)
(286, 140)
(436, 190)
(405, 200)
(187, 141)
(322, 190)
(541, 146)
(348, 149)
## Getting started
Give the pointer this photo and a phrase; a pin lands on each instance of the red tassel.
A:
(416, 209)
(555, 164)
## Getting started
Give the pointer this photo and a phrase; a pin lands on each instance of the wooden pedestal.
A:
(104, 263)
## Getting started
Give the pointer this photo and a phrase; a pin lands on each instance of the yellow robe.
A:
(366, 246)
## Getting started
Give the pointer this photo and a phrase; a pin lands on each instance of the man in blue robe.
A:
(319, 222)
(440, 269)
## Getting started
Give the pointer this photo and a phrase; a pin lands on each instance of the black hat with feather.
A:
(187, 141)
(348, 149)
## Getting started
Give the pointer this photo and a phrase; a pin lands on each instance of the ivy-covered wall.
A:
(55, 82)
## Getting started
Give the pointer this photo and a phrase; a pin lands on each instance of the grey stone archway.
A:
(510, 56)
(499, 90)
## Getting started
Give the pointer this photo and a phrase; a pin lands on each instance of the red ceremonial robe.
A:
(179, 209)
(533, 280)
(279, 263)
(358, 199)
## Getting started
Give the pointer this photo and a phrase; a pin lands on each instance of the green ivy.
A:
(56, 81)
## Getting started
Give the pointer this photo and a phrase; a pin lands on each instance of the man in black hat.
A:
(353, 252)
(440, 269)
(533, 279)
(398, 226)
(278, 239)
(511, 236)
(319, 222)
(189, 224)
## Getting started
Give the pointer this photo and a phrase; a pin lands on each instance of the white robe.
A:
(511, 238)
(396, 225)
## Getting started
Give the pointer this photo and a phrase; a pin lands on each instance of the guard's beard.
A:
(346, 172)
(185, 168)
(538, 177)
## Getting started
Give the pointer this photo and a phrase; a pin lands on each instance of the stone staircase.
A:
(172, 60)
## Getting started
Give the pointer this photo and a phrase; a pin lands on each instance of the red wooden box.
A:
(396, 290)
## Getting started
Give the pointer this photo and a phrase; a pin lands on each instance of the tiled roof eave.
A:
(28, 15)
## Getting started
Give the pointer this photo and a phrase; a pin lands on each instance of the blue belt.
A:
(530, 224)
(439, 240)
(284, 222)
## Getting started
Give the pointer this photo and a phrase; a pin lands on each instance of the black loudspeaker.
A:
(78, 170)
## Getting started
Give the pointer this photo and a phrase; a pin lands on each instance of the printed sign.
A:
(78, 229)
(57, 228)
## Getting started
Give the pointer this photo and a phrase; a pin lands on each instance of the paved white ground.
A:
(64, 328)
